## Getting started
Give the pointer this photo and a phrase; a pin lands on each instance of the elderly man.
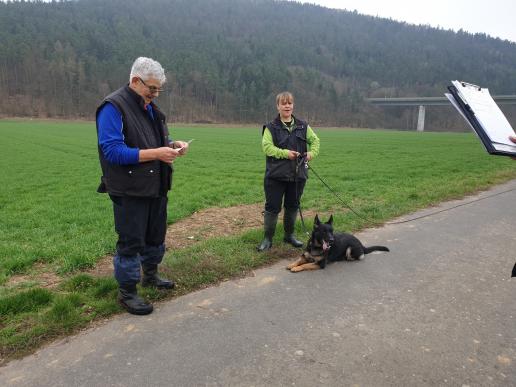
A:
(136, 156)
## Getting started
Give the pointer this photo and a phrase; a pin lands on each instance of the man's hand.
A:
(165, 154)
(180, 146)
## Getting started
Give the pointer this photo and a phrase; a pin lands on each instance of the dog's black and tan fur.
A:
(324, 246)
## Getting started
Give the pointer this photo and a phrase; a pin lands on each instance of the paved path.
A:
(439, 309)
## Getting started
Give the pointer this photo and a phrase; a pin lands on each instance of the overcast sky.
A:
(493, 17)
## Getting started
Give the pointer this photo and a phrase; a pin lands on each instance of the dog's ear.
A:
(317, 222)
(330, 221)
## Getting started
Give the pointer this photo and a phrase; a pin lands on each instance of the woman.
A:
(288, 143)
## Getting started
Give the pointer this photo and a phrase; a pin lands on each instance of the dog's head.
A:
(322, 237)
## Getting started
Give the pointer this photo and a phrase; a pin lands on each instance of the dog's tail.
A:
(370, 249)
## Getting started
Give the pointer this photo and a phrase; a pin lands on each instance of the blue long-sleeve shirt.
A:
(111, 137)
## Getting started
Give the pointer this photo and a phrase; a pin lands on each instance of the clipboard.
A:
(481, 112)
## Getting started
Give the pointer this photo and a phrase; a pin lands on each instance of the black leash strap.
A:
(302, 220)
(335, 193)
(401, 221)
(301, 160)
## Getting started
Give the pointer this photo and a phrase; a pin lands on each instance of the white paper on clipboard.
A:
(486, 111)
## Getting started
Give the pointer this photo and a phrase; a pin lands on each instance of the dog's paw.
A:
(296, 269)
(293, 264)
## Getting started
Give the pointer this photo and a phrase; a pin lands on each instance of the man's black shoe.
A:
(156, 282)
(151, 279)
(134, 304)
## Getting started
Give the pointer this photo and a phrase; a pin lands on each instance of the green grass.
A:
(53, 218)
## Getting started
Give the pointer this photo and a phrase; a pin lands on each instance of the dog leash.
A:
(336, 195)
(303, 220)
(400, 221)
(301, 160)
(451, 208)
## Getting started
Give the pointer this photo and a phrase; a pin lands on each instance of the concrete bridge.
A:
(422, 102)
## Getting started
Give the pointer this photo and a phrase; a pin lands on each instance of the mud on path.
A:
(201, 225)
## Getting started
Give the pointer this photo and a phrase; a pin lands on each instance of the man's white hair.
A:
(147, 68)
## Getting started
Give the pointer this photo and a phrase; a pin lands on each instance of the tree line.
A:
(226, 59)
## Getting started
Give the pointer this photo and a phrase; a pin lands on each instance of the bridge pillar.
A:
(421, 119)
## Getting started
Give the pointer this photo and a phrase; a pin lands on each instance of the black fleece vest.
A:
(285, 169)
(148, 179)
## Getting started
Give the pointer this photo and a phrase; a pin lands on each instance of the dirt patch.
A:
(213, 222)
(103, 268)
(217, 222)
(40, 275)
(201, 225)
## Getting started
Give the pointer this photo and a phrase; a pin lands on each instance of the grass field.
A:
(52, 219)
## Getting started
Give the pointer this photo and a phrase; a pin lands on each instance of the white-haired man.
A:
(136, 156)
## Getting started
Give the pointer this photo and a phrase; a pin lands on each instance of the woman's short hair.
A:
(284, 96)
(147, 68)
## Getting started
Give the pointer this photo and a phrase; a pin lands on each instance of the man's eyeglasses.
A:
(152, 89)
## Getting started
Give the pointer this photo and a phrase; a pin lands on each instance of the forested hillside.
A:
(226, 59)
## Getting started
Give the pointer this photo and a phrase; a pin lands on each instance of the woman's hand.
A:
(292, 155)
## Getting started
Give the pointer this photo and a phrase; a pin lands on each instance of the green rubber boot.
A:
(269, 228)
(289, 223)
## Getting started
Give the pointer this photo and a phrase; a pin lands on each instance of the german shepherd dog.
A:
(324, 246)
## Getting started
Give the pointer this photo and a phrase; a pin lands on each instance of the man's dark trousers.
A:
(141, 224)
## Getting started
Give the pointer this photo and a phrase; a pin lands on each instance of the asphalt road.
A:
(438, 310)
